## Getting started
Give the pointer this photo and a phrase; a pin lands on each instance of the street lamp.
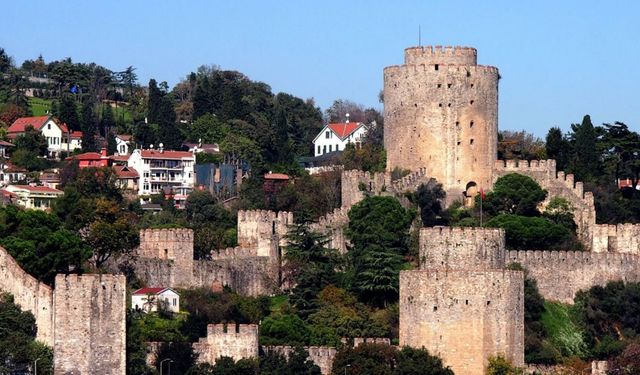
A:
(35, 366)
(162, 362)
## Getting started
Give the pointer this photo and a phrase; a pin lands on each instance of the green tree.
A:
(212, 224)
(557, 147)
(310, 266)
(68, 112)
(18, 347)
(515, 194)
(135, 348)
(585, 164)
(283, 329)
(367, 158)
(107, 120)
(379, 231)
(208, 129)
(146, 134)
(89, 126)
(429, 198)
(533, 233)
(499, 365)
(30, 146)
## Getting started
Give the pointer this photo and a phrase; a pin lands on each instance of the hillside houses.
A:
(59, 137)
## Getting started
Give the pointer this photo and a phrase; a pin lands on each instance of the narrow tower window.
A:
(471, 124)
(471, 102)
(437, 66)
(471, 141)
(439, 85)
(448, 85)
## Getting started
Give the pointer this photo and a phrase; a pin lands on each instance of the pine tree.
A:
(202, 98)
(68, 112)
(154, 102)
(89, 126)
(556, 147)
(585, 162)
(108, 121)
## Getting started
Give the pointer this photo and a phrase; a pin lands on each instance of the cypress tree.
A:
(89, 126)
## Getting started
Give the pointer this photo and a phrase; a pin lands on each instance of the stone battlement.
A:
(561, 274)
(264, 216)
(227, 340)
(263, 230)
(410, 181)
(548, 165)
(440, 55)
(322, 356)
(166, 234)
(452, 248)
(232, 329)
(422, 68)
(357, 341)
(233, 253)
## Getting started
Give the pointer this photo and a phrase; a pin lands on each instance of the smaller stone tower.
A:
(235, 341)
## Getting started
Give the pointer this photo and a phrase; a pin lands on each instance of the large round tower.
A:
(441, 113)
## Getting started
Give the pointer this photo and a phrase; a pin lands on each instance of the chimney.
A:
(103, 151)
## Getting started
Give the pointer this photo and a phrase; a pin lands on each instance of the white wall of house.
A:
(52, 132)
(328, 141)
(122, 146)
(150, 302)
(157, 172)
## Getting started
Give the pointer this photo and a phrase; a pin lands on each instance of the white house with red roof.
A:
(34, 197)
(123, 142)
(335, 137)
(58, 136)
(160, 169)
(149, 299)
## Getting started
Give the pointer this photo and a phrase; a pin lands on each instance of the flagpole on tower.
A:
(481, 199)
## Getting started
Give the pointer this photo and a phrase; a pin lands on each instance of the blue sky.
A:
(559, 60)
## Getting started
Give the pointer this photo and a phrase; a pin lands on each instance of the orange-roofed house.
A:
(335, 137)
(34, 197)
(58, 136)
(92, 159)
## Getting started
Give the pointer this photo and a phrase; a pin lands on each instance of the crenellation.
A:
(228, 340)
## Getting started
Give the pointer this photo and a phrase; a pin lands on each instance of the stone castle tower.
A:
(441, 113)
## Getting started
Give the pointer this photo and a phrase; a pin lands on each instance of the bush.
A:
(533, 233)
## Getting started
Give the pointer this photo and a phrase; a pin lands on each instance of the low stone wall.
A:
(322, 356)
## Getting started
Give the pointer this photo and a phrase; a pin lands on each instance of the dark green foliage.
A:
(180, 355)
(533, 233)
(135, 349)
(208, 129)
(89, 126)
(283, 329)
(18, 348)
(628, 362)
(39, 244)
(557, 148)
(368, 158)
(379, 232)
(68, 112)
(429, 198)
(206, 307)
(514, 194)
(584, 163)
(213, 226)
(610, 314)
(382, 359)
(146, 134)
(161, 112)
(310, 266)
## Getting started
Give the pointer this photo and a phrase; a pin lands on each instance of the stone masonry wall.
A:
(333, 225)
(263, 230)
(30, 294)
(174, 245)
(560, 274)
(558, 185)
(461, 248)
(621, 238)
(235, 341)
(355, 184)
(90, 332)
(441, 113)
(464, 316)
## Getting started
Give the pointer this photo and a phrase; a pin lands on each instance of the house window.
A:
(330, 147)
(327, 134)
(49, 126)
(319, 149)
(324, 149)
(174, 302)
(337, 147)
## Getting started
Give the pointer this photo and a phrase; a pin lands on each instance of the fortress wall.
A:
(235, 341)
(30, 294)
(561, 274)
(621, 238)
(263, 230)
(464, 316)
(247, 276)
(333, 225)
(322, 356)
(90, 331)
(174, 244)
(461, 248)
(353, 181)
(441, 113)
(558, 185)
(440, 54)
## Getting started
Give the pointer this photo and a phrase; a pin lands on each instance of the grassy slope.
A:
(39, 107)
(563, 330)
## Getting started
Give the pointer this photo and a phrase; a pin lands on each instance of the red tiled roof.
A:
(87, 156)
(64, 128)
(155, 290)
(6, 144)
(156, 154)
(119, 157)
(124, 137)
(38, 189)
(122, 171)
(276, 176)
(343, 130)
(76, 134)
(20, 125)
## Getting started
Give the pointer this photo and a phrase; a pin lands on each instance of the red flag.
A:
(481, 193)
